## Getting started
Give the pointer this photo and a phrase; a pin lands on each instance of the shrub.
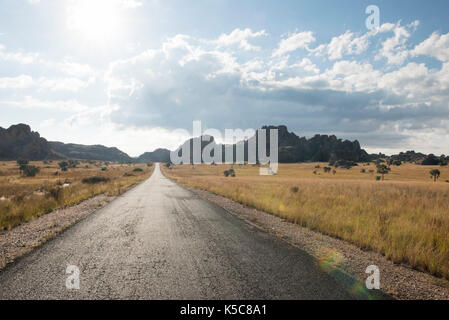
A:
(363, 171)
(22, 162)
(229, 172)
(128, 174)
(327, 169)
(435, 174)
(93, 180)
(294, 189)
(30, 171)
(345, 164)
(149, 164)
(73, 163)
(137, 170)
(63, 165)
(378, 178)
(104, 169)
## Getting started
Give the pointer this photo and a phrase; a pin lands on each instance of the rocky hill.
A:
(18, 141)
(320, 148)
(95, 152)
(158, 155)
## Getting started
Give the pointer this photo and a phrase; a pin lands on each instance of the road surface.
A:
(161, 241)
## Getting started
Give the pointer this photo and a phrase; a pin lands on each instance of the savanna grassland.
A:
(405, 217)
(24, 198)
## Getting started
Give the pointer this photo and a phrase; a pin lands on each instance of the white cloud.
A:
(394, 49)
(130, 3)
(29, 102)
(436, 46)
(294, 42)
(240, 37)
(76, 69)
(63, 84)
(19, 82)
(345, 44)
(20, 57)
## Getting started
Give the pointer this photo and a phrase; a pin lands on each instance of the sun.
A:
(95, 20)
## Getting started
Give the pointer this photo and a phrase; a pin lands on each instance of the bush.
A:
(73, 163)
(378, 178)
(63, 165)
(294, 189)
(104, 169)
(22, 162)
(93, 180)
(149, 164)
(138, 170)
(363, 171)
(229, 172)
(128, 174)
(345, 164)
(30, 171)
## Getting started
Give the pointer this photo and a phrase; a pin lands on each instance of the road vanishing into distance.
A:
(161, 241)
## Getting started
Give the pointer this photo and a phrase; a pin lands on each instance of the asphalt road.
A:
(160, 241)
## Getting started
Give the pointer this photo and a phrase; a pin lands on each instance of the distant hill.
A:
(320, 148)
(95, 152)
(158, 155)
(18, 141)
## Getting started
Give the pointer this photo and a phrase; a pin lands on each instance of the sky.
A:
(131, 73)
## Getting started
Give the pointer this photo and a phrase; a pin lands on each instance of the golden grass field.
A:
(24, 198)
(405, 217)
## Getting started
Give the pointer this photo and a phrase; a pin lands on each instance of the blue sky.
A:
(127, 73)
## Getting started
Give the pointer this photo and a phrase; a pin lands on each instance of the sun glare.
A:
(95, 20)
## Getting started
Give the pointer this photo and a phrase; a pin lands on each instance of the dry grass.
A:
(405, 217)
(25, 198)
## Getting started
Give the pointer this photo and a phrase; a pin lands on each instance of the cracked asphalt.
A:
(161, 241)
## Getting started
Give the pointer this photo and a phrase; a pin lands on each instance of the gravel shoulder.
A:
(24, 238)
(399, 281)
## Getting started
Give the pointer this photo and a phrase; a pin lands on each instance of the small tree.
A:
(63, 165)
(22, 164)
(383, 170)
(435, 174)
(73, 163)
(30, 171)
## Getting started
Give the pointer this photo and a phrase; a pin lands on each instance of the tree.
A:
(30, 171)
(63, 165)
(435, 174)
(383, 170)
(22, 164)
